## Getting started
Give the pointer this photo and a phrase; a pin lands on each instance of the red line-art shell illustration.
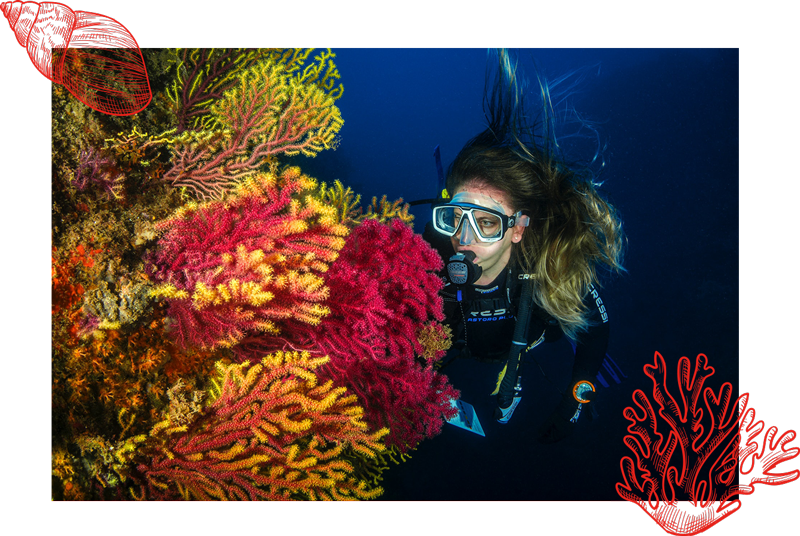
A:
(95, 57)
(688, 450)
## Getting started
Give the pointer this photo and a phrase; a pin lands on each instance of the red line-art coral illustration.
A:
(689, 450)
(94, 56)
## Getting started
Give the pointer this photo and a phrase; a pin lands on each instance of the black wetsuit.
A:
(482, 318)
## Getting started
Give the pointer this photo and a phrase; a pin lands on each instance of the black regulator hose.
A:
(510, 390)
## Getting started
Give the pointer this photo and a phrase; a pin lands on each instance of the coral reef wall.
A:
(202, 288)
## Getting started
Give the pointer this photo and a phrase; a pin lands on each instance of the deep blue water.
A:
(670, 120)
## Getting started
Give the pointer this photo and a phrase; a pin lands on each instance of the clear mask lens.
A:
(479, 218)
(482, 224)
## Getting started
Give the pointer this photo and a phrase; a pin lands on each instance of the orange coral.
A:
(272, 432)
(70, 270)
(114, 370)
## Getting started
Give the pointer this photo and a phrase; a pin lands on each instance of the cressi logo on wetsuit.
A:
(601, 309)
(489, 309)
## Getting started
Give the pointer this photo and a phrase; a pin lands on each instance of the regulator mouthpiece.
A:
(461, 270)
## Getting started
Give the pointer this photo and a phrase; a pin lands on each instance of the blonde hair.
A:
(572, 229)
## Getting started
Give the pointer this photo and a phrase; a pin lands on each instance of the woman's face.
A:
(492, 257)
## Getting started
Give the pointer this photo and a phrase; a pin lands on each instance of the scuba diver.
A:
(522, 236)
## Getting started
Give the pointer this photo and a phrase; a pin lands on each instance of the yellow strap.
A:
(499, 380)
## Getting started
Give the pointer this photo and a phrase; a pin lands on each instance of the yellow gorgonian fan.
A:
(249, 265)
(272, 432)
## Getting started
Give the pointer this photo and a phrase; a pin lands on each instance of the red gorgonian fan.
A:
(383, 296)
(692, 446)
(252, 263)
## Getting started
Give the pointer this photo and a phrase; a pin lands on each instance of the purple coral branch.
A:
(96, 169)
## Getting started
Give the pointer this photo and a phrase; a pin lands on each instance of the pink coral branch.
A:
(250, 264)
(383, 288)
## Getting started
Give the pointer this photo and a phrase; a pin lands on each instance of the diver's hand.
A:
(559, 426)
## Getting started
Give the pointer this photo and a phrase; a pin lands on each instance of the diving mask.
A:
(480, 218)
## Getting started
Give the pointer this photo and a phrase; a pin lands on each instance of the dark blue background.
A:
(670, 119)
